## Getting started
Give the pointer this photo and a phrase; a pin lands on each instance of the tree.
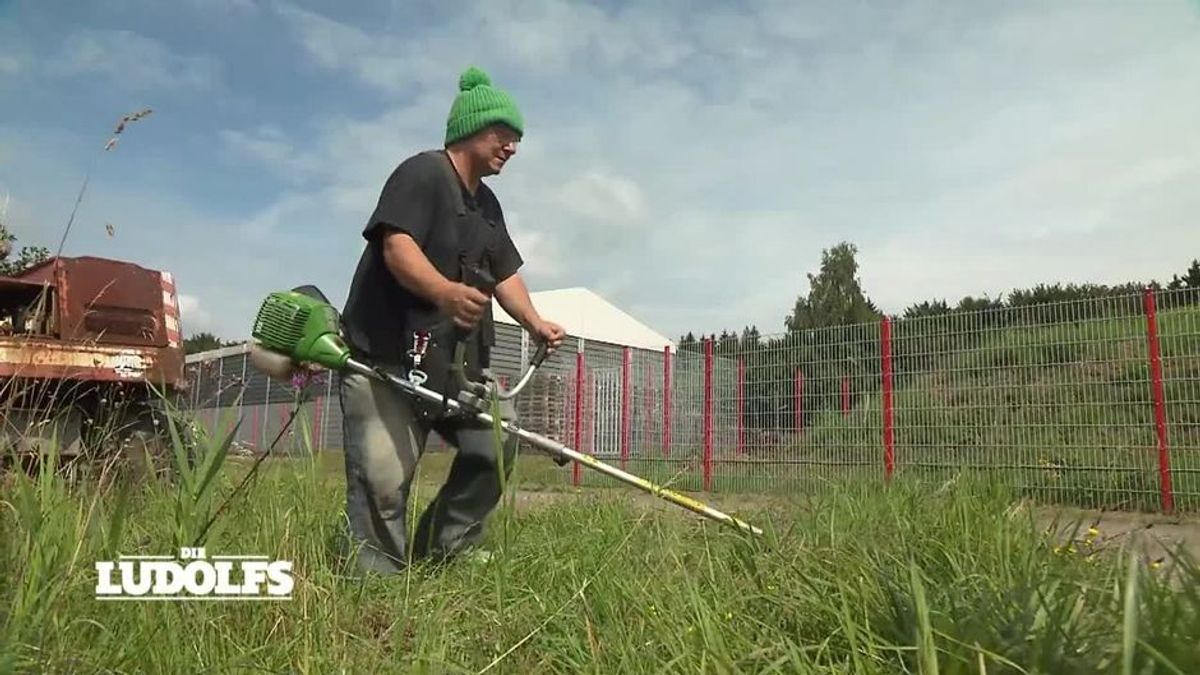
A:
(1192, 278)
(728, 343)
(688, 342)
(750, 338)
(28, 257)
(205, 341)
(927, 308)
(835, 296)
(1188, 284)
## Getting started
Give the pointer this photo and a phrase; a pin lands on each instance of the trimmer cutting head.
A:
(302, 325)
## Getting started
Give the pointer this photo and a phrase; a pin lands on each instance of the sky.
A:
(687, 161)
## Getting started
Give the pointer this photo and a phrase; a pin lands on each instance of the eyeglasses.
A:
(505, 136)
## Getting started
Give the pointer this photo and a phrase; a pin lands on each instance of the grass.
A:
(946, 578)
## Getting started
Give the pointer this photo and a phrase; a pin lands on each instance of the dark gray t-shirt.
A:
(416, 200)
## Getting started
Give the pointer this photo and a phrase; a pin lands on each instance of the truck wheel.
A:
(141, 452)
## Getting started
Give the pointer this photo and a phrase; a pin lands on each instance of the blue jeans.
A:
(384, 439)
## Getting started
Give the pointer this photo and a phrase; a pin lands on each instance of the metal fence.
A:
(1095, 402)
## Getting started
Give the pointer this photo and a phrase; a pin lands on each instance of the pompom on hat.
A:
(479, 104)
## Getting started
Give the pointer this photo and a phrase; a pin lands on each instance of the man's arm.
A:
(407, 262)
(514, 298)
(401, 223)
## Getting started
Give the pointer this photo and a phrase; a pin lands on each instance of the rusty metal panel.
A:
(14, 284)
(111, 302)
(107, 301)
(53, 359)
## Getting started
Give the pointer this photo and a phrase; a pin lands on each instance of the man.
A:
(435, 220)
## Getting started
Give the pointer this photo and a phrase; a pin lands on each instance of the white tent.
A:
(583, 313)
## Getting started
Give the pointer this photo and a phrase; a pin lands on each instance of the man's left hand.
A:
(550, 333)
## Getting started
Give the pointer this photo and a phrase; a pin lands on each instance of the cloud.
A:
(337, 46)
(569, 40)
(691, 164)
(133, 61)
(694, 165)
(268, 146)
(223, 6)
(598, 194)
(192, 316)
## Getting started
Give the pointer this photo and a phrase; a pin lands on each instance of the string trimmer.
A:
(306, 330)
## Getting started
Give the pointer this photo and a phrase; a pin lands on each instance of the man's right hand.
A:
(462, 303)
(404, 258)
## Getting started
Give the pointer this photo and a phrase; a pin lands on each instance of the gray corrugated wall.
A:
(546, 405)
(506, 353)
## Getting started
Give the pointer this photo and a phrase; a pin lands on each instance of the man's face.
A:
(494, 146)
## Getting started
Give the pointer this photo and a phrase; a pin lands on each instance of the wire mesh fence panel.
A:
(227, 396)
(1175, 386)
(1051, 397)
(605, 393)
(778, 410)
(1094, 401)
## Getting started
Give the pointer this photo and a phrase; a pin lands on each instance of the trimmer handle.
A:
(480, 280)
(539, 356)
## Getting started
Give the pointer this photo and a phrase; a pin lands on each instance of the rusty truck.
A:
(90, 349)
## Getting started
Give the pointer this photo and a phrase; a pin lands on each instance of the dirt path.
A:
(1153, 535)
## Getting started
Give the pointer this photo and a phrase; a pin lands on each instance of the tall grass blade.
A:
(213, 460)
(927, 653)
(1130, 617)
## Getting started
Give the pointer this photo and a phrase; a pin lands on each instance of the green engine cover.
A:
(302, 327)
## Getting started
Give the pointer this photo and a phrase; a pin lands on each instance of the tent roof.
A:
(583, 313)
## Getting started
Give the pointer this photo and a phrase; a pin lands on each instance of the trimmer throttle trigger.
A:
(479, 279)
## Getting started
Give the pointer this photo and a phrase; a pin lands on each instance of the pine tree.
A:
(835, 295)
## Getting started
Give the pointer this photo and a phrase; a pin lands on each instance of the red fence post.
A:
(578, 441)
(1160, 402)
(741, 394)
(708, 413)
(626, 366)
(889, 459)
(666, 401)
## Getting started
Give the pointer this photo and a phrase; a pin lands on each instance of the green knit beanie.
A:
(479, 104)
